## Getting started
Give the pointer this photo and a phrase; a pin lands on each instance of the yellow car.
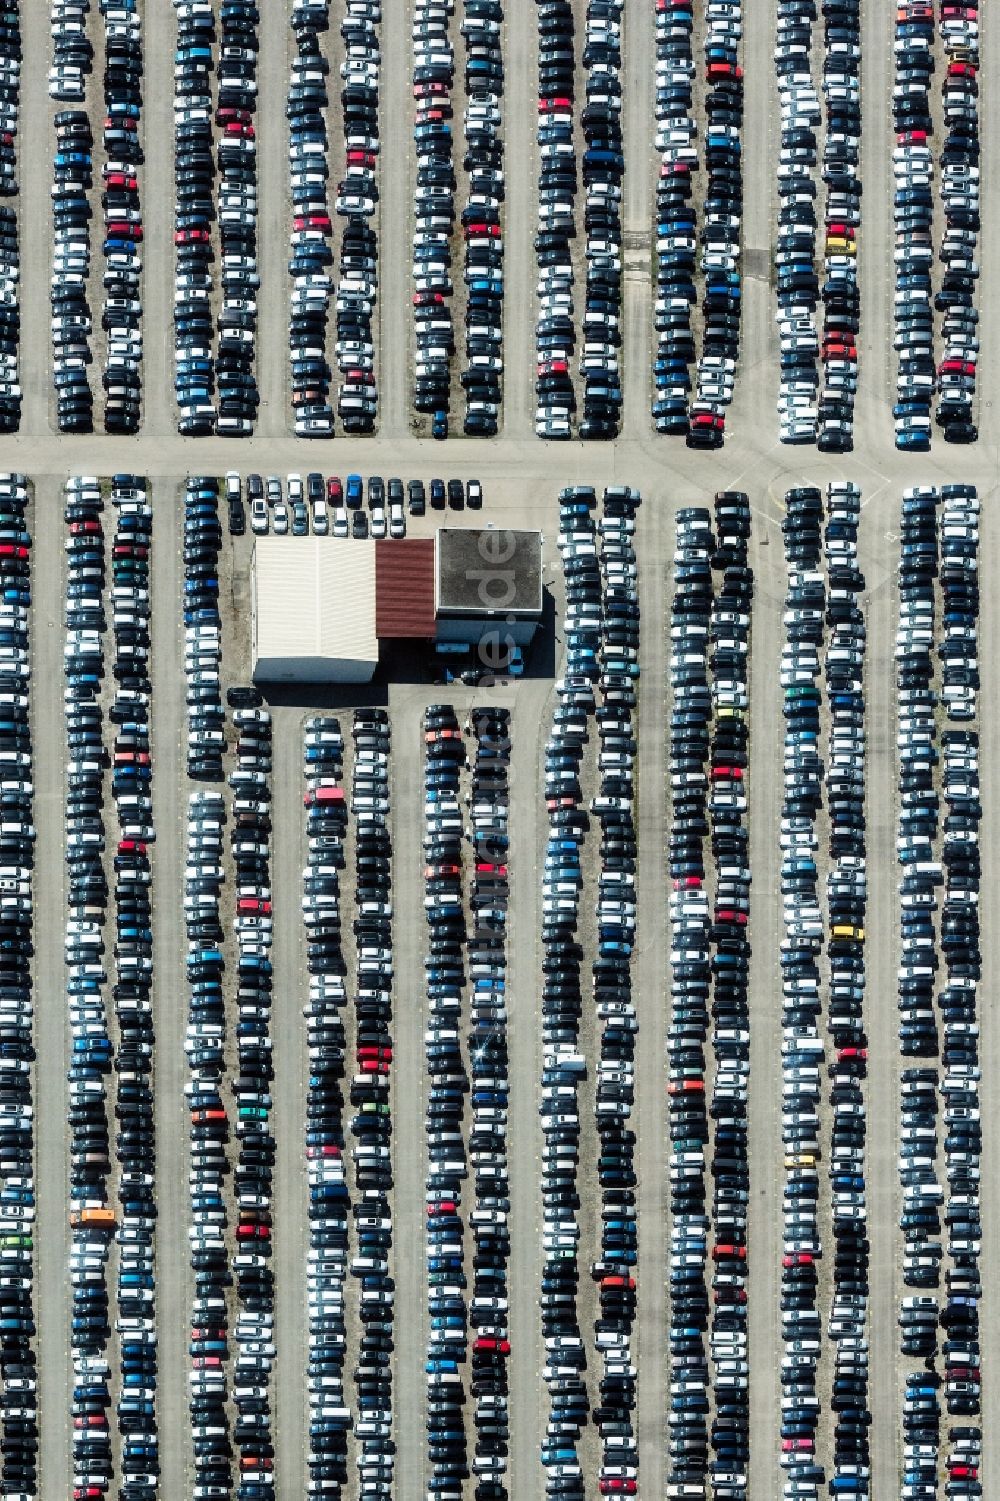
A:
(801, 1159)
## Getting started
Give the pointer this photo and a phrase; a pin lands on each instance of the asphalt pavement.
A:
(273, 218)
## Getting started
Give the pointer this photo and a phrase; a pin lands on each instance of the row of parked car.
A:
(131, 787)
(327, 1255)
(71, 322)
(603, 173)
(204, 1046)
(457, 952)
(555, 324)
(371, 1125)
(937, 670)
(597, 684)
(709, 656)
(253, 1273)
(823, 590)
(701, 418)
(205, 1038)
(959, 190)
(18, 1388)
(804, 416)
(357, 196)
(215, 384)
(194, 214)
(206, 736)
(913, 208)
(310, 252)
(482, 378)
(489, 1310)
(10, 256)
(447, 1167)
(93, 1222)
(434, 210)
(121, 318)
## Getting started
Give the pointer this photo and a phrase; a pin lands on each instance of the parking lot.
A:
(530, 703)
(272, 383)
(380, 1224)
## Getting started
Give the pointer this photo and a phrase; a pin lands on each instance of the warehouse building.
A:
(322, 608)
(313, 611)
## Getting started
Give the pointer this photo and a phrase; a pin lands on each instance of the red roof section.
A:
(404, 588)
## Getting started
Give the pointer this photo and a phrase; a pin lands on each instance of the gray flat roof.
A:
(487, 571)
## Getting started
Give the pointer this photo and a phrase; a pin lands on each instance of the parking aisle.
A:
(409, 1088)
(272, 224)
(637, 286)
(764, 1220)
(520, 213)
(880, 955)
(158, 411)
(873, 420)
(394, 363)
(757, 383)
(171, 1118)
(290, 1232)
(51, 1138)
(532, 712)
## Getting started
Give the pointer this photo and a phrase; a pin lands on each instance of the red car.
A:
(686, 1086)
(486, 1342)
(253, 1232)
(687, 883)
(191, 237)
(8, 550)
(361, 159)
(253, 906)
(545, 105)
(443, 1206)
(617, 1485)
